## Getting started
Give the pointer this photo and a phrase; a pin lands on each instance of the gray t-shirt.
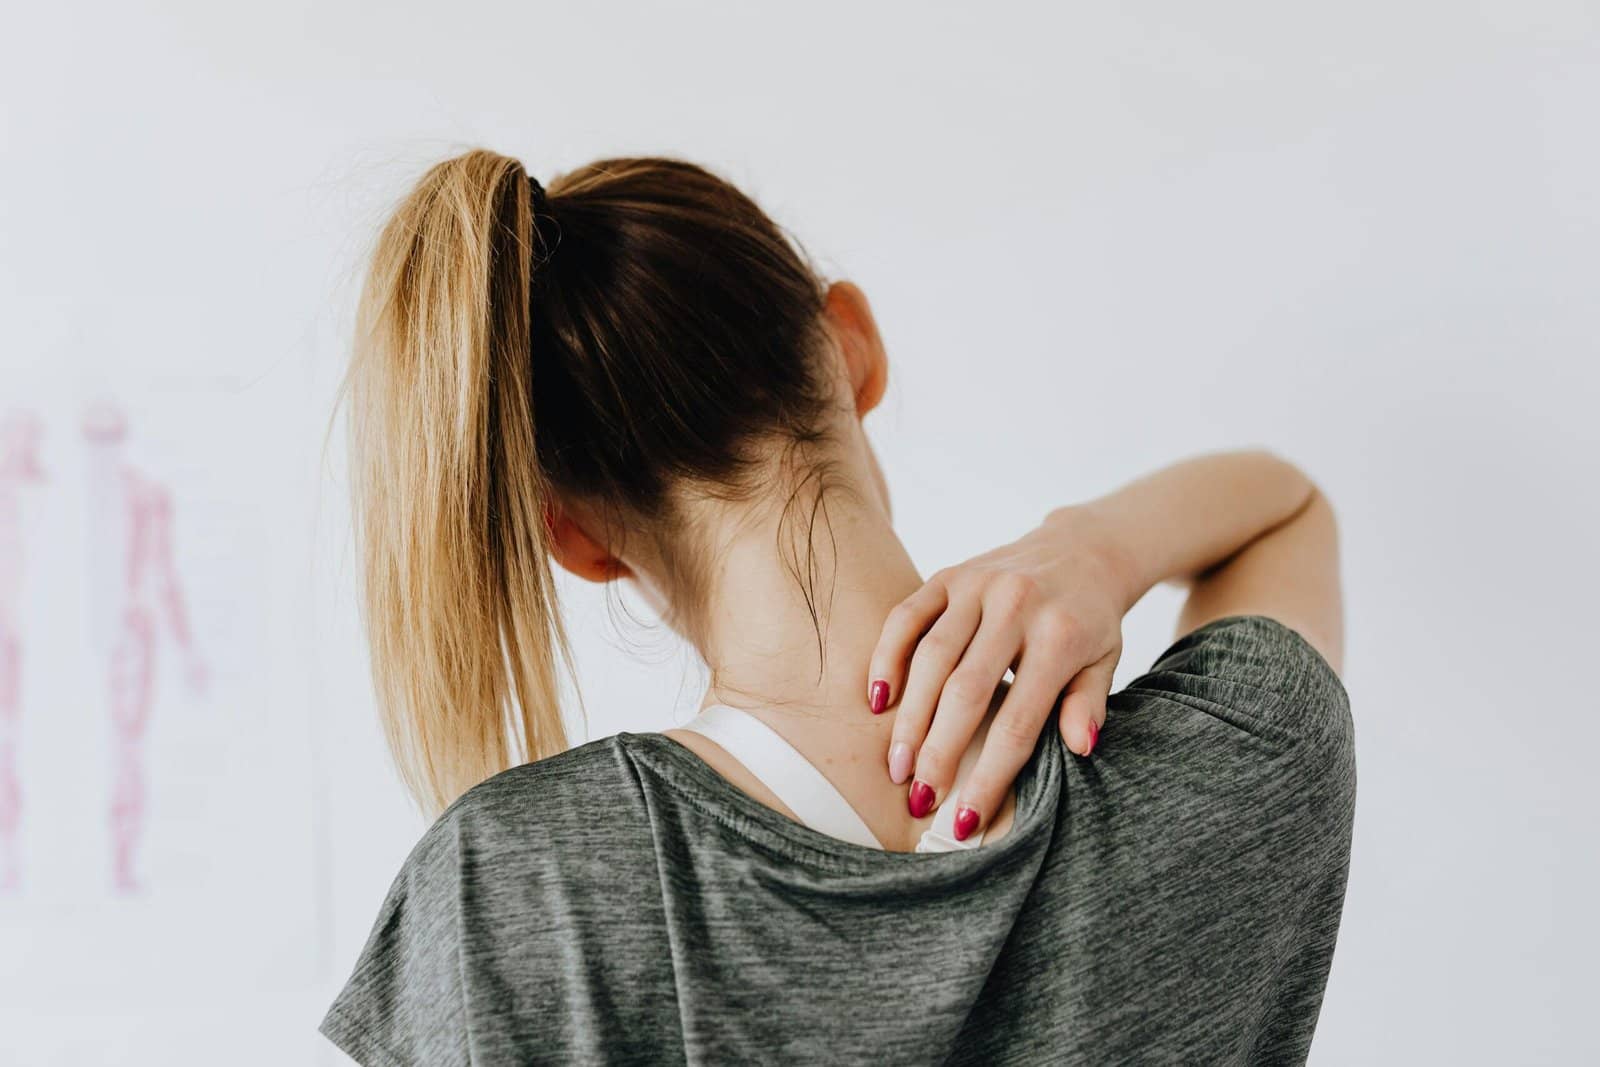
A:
(1173, 898)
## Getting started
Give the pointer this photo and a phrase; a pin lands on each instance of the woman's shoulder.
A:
(1239, 711)
(581, 790)
(1234, 754)
(498, 881)
(1257, 674)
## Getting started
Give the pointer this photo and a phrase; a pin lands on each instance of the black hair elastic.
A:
(540, 203)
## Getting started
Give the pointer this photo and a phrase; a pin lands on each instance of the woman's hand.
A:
(1049, 607)
(1248, 533)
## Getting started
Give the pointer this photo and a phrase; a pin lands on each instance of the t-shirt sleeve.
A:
(1247, 731)
(1226, 779)
(1260, 676)
(404, 1002)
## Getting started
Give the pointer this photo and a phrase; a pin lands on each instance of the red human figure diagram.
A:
(19, 466)
(139, 587)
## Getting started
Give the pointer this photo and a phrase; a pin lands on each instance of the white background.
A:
(1097, 238)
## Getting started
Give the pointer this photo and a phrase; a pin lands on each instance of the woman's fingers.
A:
(937, 654)
(906, 624)
(1083, 708)
(1011, 738)
(963, 704)
(960, 637)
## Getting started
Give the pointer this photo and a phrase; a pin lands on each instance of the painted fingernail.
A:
(1094, 735)
(878, 696)
(920, 799)
(966, 822)
(899, 762)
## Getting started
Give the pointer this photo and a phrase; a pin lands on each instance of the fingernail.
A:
(966, 822)
(899, 762)
(878, 696)
(1094, 735)
(920, 799)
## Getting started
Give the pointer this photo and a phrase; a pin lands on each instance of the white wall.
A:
(1097, 239)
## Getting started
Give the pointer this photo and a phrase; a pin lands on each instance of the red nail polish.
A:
(1094, 735)
(966, 822)
(920, 800)
(878, 696)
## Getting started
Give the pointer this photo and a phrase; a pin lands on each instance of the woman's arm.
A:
(1247, 531)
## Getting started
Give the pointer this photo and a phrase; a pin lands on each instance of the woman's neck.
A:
(802, 650)
(761, 642)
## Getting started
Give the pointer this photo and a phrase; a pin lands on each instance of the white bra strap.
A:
(941, 836)
(780, 766)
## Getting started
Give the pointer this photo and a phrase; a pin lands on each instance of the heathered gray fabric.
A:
(1172, 899)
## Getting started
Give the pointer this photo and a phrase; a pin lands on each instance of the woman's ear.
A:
(866, 363)
(577, 552)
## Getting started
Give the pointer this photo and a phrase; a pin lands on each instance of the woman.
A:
(634, 374)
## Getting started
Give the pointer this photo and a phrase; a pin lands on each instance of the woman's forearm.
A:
(1183, 520)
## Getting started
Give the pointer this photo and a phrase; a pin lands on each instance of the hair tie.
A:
(540, 202)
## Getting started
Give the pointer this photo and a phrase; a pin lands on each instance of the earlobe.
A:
(577, 552)
(866, 363)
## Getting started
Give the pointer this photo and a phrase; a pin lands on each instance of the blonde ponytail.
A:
(459, 602)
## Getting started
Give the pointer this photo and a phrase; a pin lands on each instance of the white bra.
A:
(805, 790)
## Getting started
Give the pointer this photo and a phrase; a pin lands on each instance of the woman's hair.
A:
(636, 326)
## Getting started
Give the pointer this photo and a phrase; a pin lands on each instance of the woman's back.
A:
(636, 376)
(1176, 898)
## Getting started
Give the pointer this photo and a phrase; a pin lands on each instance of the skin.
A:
(1246, 533)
